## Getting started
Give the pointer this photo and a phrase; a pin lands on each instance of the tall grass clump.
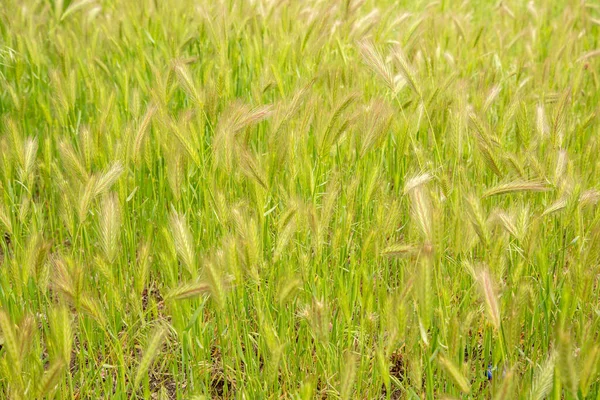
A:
(310, 199)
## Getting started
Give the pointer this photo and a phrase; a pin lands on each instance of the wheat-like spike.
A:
(11, 342)
(505, 390)
(486, 285)
(26, 331)
(487, 144)
(141, 132)
(365, 24)
(33, 257)
(108, 178)
(5, 219)
(287, 289)
(417, 181)
(150, 352)
(454, 373)
(422, 211)
(51, 378)
(110, 226)
(407, 71)
(61, 334)
(186, 81)
(72, 163)
(517, 186)
(328, 205)
(375, 62)
(589, 197)
(239, 116)
(483, 135)
(74, 7)
(535, 165)
(378, 119)
(250, 246)
(16, 139)
(507, 222)
(343, 128)
(491, 97)
(217, 284)
(287, 227)
(87, 147)
(254, 240)
(348, 376)
(85, 199)
(106, 271)
(223, 146)
(543, 379)
(24, 209)
(566, 363)
(339, 110)
(312, 219)
(509, 114)
(30, 147)
(143, 265)
(188, 290)
(251, 168)
(292, 108)
(400, 250)
(490, 160)
(560, 115)
(62, 280)
(591, 53)
(558, 205)
(252, 116)
(588, 368)
(175, 171)
(185, 142)
(523, 121)
(587, 121)
(541, 124)
(184, 244)
(561, 165)
(94, 309)
(68, 210)
(592, 253)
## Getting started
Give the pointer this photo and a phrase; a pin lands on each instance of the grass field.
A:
(341, 199)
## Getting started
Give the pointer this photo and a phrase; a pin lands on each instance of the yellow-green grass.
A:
(299, 199)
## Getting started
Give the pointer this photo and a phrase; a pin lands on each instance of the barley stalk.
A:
(150, 353)
(454, 373)
(486, 285)
(516, 186)
(183, 242)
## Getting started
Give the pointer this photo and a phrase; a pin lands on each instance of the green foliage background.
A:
(299, 199)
